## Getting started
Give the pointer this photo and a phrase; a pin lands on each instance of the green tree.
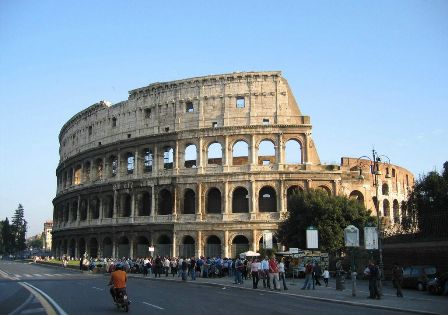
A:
(19, 227)
(428, 203)
(330, 214)
(7, 240)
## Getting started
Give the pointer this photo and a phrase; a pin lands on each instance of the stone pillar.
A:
(199, 245)
(254, 240)
(115, 214)
(175, 203)
(280, 150)
(176, 158)
(253, 160)
(132, 206)
(119, 166)
(199, 210)
(305, 155)
(131, 246)
(89, 214)
(281, 197)
(100, 215)
(174, 245)
(200, 156)
(226, 198)
(77, 249)
(136, 164)
(226, 244)
(253, 208)
(114, 249)
(78, 211)
(155, 160)
(153, 204)
(226, 152)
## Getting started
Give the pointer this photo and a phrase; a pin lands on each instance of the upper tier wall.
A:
(227, 100)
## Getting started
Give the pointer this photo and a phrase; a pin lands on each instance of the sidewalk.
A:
(413, 301)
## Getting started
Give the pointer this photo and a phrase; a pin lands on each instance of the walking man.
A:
(397, 278)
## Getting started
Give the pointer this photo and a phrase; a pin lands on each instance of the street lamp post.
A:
(375, 170)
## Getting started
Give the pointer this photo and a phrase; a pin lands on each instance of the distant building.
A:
(46, 239)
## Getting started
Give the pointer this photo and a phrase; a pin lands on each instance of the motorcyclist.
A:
(118, 279)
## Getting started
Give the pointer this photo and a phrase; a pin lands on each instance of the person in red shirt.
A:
(273, 273)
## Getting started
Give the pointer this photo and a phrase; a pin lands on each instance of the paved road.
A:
(85, 293)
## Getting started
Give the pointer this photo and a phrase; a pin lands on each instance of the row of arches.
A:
(125, 247)
(145, 159)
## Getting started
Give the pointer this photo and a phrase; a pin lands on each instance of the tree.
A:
(429, 203)
(7, 241)
(330, 214)
(19, 227)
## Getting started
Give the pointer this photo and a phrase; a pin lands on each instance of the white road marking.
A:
(33, 311)
(37, 275)
(158, 307)
(27, 275)
(49, 299)
(97, 288)
(48, 274)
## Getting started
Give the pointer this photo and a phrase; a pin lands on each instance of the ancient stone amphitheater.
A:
(202, 166)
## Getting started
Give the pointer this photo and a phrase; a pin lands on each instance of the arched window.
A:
(396, 210)
(385, 189)
(214, 154)
(325, 188)
(130, 163)
(123, 247)
(114, 165)
(95, 208)
(240, 244)
(165, 202)
(267, 200)
(142, 247)
(189, 202)
(186, 249)
(163, 246)
(87, 167)
(213, 246)
(99, 169)
(240, 153)
(240, 200)
(77, 179)
(386, 208)
(125, 205)
(357, 195)
(168, 158)
(213, 201)
(293, 152)
(93, 248)
(190, 156)
(107, 247)
(147, 160)
(266, 153)
(144, 203)
(108, 206)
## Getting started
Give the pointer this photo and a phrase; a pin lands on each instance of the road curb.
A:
(329, 300)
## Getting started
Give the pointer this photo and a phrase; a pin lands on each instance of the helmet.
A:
(119, 267)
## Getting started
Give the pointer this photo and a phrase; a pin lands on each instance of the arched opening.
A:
(189, 202)
(147, 160)
(261, 244)
(86, 174)
(108, 206)
(83, 210)
(123, 247)
(396, 210)
(293, 152)
(99, 169)
(163, 246)
(72, 248)
(240, 244)
(240, 153)
(267, 199)
(82, 247)
(93, 248)
(385, 189)
(125, 205)
(130, 163)
(357, 195)
(74, 210)
(290, 193)
(325, 189)
(165, 202)
(214, 201)
(94, 208)
(266, 153)
(77, 175)
(214, 154)
(240, 200)
(113, 162)
(144, 204)
(168, 158)
(107, 247)
(386, 208)
(190, 156)
(213, 246)
(142, 247)
(187, 249)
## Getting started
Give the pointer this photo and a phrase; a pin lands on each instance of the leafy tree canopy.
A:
(330, 214)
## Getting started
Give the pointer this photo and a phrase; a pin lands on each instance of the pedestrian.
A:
(254, 269)
(326, 276)
(397, 278)
(265, 273)
(317, 272)
(184, 269)
(373, 276)
(238, 271)
(282, 273)
(274, 274)
(308, 276)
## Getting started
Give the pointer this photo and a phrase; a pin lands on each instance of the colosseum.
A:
(201, 166)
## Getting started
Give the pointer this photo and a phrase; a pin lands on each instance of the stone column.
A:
(226, 244)
(281, 198)
(226, 152)
(176, 158)
(78, 211)
(252, 151)
(153, 204)
(254, 240)
(114, 249)
(199, 245)
(115, 214)
(100, 215)
(119, 166)
(174, 245)
(176, 199)
(280, 150)
(200, 156)
(226, 198)
(132, 206)
(136, 163)
(131, 246)
(199, 210)
(253, 208)
(305, 154)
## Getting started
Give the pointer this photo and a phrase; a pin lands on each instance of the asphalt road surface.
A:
(35, 289)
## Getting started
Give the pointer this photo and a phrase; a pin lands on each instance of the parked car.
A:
(417, 277)
(438, 285)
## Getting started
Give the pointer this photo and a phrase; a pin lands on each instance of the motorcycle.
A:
(121, 299)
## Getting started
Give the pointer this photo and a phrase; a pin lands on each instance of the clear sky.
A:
(369, 73)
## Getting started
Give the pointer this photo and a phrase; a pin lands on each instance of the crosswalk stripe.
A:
(37, 275)
(27, 275)
(17, 276)
(48, 275)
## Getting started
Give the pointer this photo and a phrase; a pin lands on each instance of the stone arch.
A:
(74, 210)
(266, 152)
(113, 162)
(212, 246)
(189, 201)
(77, 175)
(240, 244)
(99, 168)
(293, 152)
(107, 247)
(267, 199)
(357, 195)
(187, 247)
(165, 202)
(240, 200)
(83, 210)
(130, 162)
(386, 208)
(325, 189)
(240, 153)
(94, 206)
(144, 203)
(123, 247)
(385, 189)
(274, 243)
(163, 246)
(214, 154)
(86, 173)
(125, 205)
(72, 248)
(213, 204)
(142, 247)
(108, 206)
(190, 156)
(168, 158)
(396, 211)
(93, 247)
(148, 160)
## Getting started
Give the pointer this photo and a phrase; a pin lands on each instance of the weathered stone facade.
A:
(201, 166)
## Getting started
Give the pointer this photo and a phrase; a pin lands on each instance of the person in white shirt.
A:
(326, 276)
(254, 269)
(282, 275)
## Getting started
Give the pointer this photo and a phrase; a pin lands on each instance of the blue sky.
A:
(369, 73)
